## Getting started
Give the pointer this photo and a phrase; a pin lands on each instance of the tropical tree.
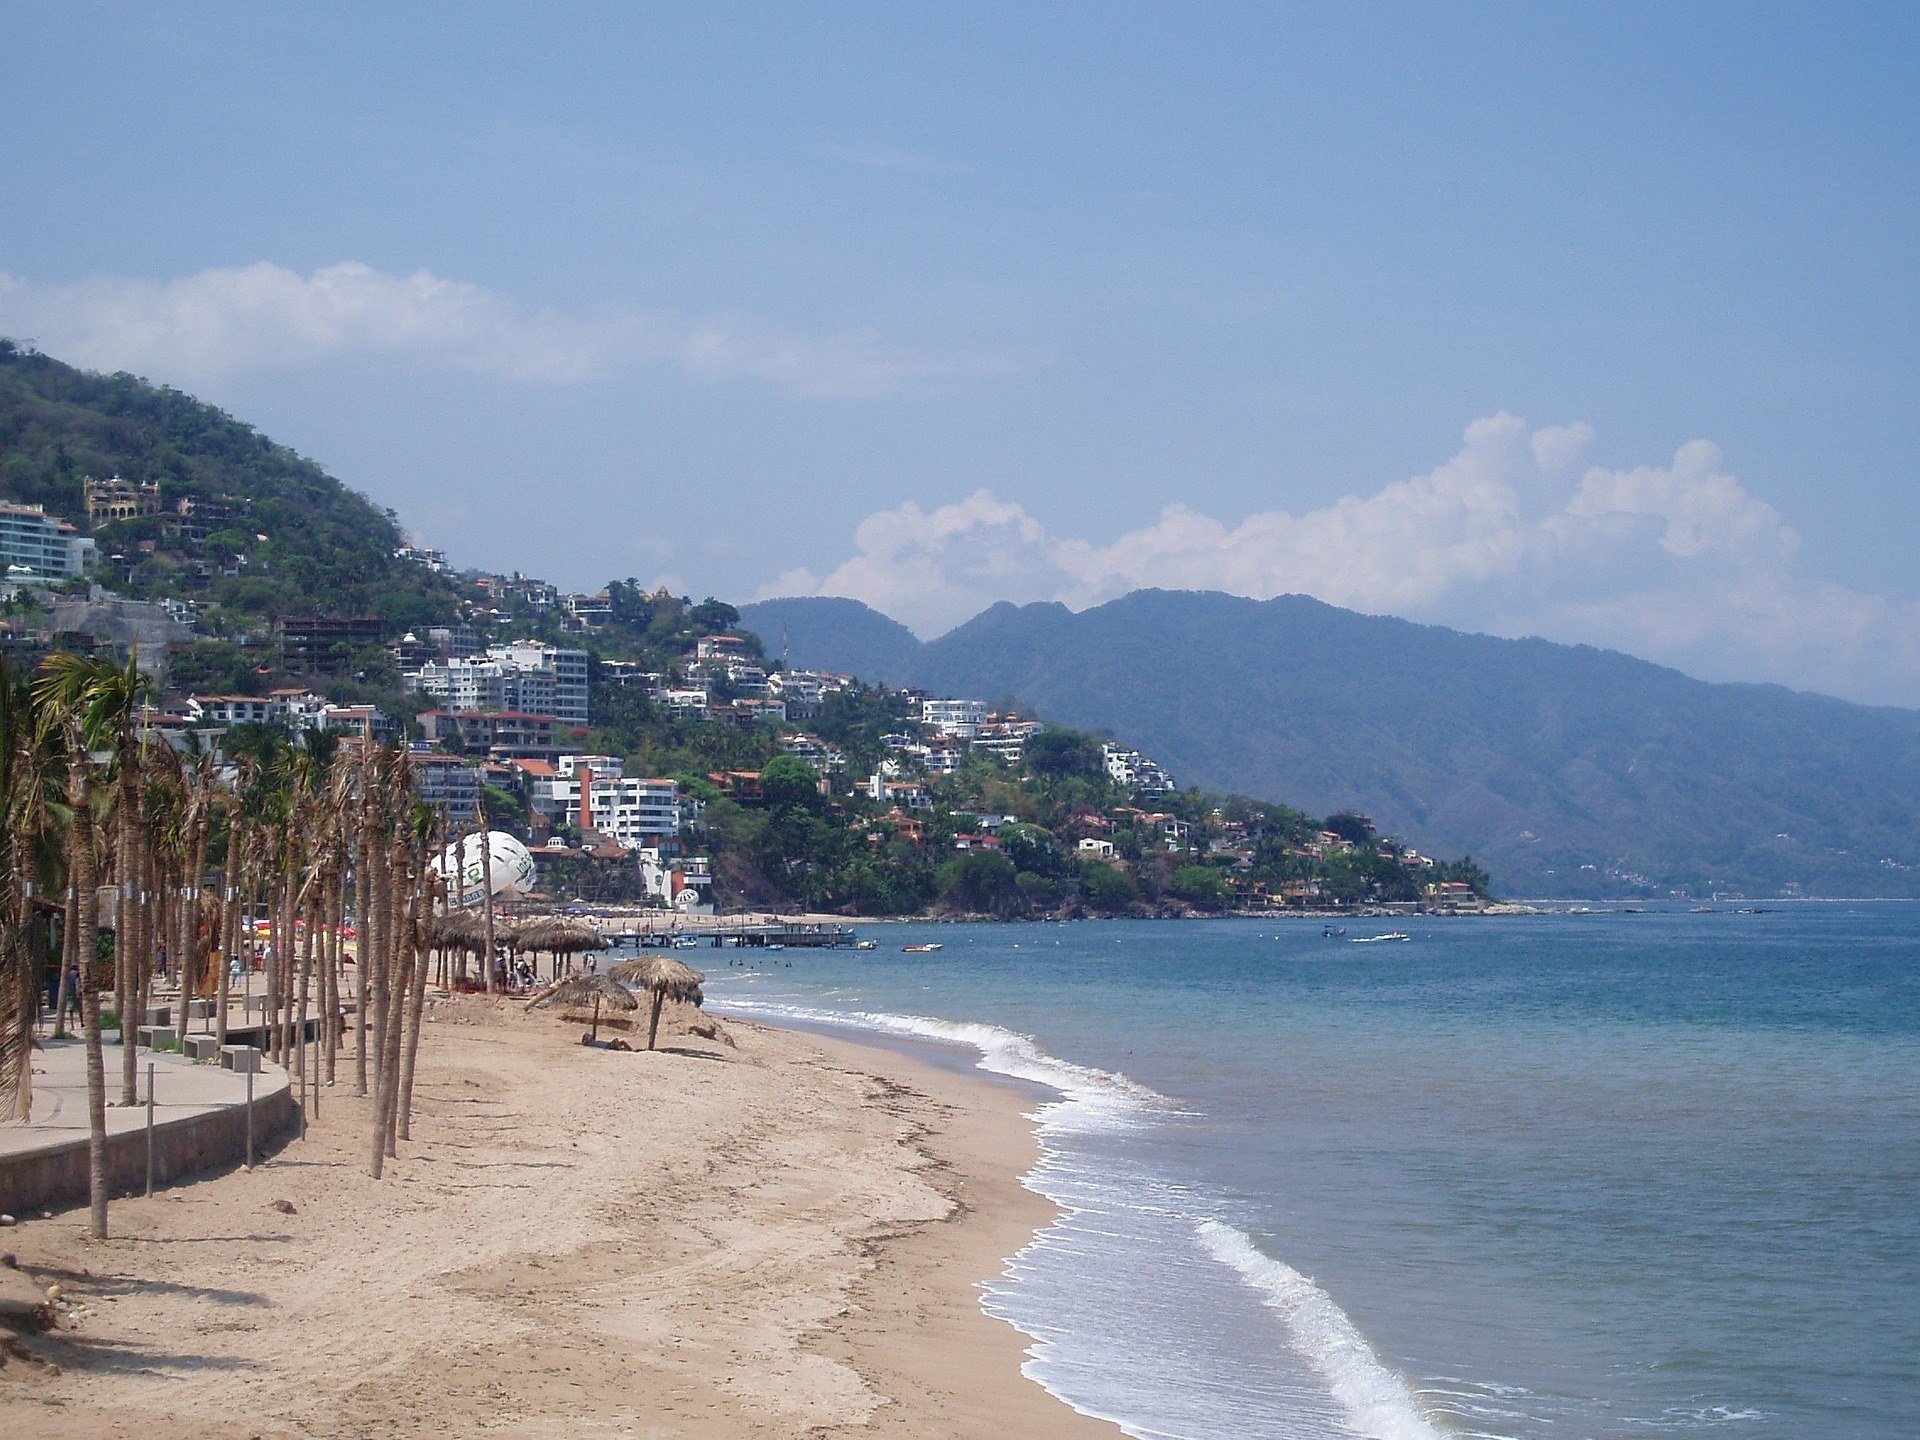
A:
(84, 703)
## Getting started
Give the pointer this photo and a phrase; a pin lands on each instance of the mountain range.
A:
(1566, 770)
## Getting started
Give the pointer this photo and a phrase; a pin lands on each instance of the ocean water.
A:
(1565, 1176)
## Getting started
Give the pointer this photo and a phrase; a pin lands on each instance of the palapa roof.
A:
(560, 937)
(579, 992)
(661, 973)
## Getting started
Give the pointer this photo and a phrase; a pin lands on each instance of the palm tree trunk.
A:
(125, 995)
(336, 907)
(69, 958)
(374, 977)
(486, 895)
(653, 1025)
(363, 905)
(191, 976)
(416, 1006)
(306, 983)
(229, 923)
(399, 971)
(88, 916)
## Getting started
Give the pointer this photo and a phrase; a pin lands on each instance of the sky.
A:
(1596, 323)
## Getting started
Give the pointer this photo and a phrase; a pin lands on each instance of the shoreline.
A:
(785, 1238)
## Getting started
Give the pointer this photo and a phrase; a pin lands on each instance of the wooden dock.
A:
(759, 935)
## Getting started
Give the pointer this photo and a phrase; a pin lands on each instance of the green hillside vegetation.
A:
(799, 842)
(327, 549)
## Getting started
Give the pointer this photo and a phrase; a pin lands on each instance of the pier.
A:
(754, 934)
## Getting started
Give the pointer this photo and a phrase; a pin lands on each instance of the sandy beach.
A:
(779, 1237)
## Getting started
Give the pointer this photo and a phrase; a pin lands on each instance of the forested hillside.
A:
(1567, 770)
(286, 538)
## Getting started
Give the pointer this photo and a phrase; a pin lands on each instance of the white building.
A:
(896, 792)
(532, 678)
(565, 669)
(33, 542)
(235, 710)
(1133, 770)
(635, 812)
(958, 718)
(685, 698)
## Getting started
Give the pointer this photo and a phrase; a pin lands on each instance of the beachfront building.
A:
(682, 883)
(1135, 771)
(34, 543)
(959, 718)
(635, 812)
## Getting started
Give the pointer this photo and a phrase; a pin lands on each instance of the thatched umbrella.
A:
(666, 977)
(575, 991)
(560, 937)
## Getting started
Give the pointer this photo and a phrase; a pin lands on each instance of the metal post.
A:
(149, 1129)
(249, 1119)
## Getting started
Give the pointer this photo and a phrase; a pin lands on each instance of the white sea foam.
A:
(1377, 1401)
(1095, 1099)
(1084, 1270)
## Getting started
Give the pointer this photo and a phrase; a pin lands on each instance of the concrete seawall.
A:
(54, 1175)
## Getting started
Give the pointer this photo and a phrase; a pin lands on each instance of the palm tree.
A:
(30, 816)
(72, 709)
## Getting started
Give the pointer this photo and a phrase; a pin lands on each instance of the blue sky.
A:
(940, 305)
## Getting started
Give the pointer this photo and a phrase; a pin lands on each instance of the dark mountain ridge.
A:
(1566, 770)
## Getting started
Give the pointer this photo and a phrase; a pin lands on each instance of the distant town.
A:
(648, 751)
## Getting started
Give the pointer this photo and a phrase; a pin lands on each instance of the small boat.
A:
(1375, 939)
(917, 949)
(866, 944)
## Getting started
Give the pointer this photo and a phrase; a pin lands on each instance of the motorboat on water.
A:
(918, 949)
(1376, 939)
(866, 945)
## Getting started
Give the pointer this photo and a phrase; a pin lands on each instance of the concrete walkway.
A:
(181, 1087)
(199, 1115)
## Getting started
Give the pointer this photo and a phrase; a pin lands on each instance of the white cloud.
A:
(265, 317)
(1677, 562)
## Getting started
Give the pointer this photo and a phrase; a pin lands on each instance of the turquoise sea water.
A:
(1601, 1176)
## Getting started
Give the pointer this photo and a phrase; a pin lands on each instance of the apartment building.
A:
(959, 718)
(35, 542)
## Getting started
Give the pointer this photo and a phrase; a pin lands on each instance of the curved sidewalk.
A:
(199, 1124)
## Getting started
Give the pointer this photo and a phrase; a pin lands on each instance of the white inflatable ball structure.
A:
(510, 870)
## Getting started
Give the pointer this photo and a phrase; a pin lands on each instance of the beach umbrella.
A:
(561, 937)
(665, 977)
(576, 991)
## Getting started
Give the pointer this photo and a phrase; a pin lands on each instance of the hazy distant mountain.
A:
(1565, 769)
(862, 641)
